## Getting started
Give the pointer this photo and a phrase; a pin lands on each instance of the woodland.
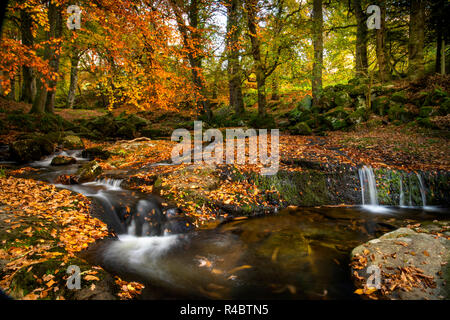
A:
(92, 91)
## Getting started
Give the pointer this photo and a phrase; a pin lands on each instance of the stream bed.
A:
(298, 253)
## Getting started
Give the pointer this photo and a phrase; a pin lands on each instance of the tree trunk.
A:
(75, 59)
(45, 99)
(318, 50)
(275, 96)
(234, 69)
(361, 63)
(438, 14)
(192, 42)
(416, 39)
(256, 53)
(56, 25)
(383, 65)
(28, 86)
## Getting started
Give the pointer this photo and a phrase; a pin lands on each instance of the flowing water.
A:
(298, 253)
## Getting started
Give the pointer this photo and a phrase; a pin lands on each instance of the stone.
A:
(72, 142)
(30, 149)
(96, 153)
(89, 171)
(406, 248)
(62, 160)
(301, 128)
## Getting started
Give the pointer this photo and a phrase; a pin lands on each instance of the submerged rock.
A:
(62, 160)
(412, 265)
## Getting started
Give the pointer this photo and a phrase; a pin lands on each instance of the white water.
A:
(109, 184)
(45, 162)
(369, 189)
(369, 192)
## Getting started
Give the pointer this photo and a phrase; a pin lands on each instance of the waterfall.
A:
(402, 194)
(368, 185)
(422, 189)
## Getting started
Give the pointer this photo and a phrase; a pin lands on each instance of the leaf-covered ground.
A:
(42, 230)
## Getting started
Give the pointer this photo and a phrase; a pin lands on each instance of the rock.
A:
(399, 96)
(62, 160)
(30, 149)
(301, 128)
(89, 171)
(72, 142)
(96, 153)
(399, 112)
(358, 116)
(380, 105)
(305, 103)
(127, 131)
(342, 99)
(428, 111)
(422, 258)
(25, 151)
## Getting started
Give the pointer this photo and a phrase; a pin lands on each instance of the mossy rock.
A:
(89, 171)
(342, 99)
(338, 113)
(305, 103)
(399, 96)
(96, 153)
(358, 116)
(444, 107)
(301, 128)
(266, 122)
(428, 111)
(380, 105)
(62, 161)
(399, 113)
(127, 131)
(30, 149)
(72, 142)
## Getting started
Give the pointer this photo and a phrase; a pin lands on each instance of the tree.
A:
(361, 63)
(416, 39)
(318, 50)
(234, 68)
(29, 83)
(383, 63)
(191, 33)
(45, 97)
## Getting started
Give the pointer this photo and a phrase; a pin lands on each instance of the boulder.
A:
(88, 172)
(96, 153)
(62, 160)
(412, 265)
(305, 103)
(342, 99)
(30, 149)
(72, 142)
(399, 96)
(399, 112)
(127, 131)
(301, 128)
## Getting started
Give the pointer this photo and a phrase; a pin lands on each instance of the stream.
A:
(299, 253)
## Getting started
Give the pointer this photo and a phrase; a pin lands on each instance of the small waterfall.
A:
(110, 184)
(368, 186)
(422, 189)
(402, 194)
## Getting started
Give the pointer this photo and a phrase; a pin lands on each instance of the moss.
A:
(307, 188)
(300, 128)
